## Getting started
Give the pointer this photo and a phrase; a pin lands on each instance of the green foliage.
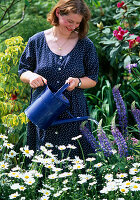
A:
(13, 93)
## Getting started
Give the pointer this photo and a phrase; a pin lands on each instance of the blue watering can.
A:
(44, 111)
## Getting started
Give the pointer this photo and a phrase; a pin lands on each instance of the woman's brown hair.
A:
(71, 6)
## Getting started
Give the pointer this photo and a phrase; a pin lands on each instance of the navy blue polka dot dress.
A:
(81, 61)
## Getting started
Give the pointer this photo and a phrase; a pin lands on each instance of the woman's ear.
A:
(57, 12)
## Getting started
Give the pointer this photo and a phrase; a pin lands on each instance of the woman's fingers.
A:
(37, 81)
(73, 83)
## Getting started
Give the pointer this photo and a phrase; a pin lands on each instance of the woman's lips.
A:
(69, 29)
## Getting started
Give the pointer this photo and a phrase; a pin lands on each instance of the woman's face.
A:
(70, 22)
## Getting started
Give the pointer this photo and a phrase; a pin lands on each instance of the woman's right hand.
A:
(36, 80)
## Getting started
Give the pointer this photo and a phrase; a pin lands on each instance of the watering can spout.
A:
(74, 119)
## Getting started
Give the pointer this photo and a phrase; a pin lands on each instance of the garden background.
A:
(113, 171)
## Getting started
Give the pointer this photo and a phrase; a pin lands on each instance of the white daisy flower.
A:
(53, 176)
(135, 187)
(124, 190)
(13, 196)
(136, 179)
(56, 169)
(93, 183)
(21, 188)
(8, 145)
(109, 177)
(104, 190)
(49, 166)
(3, 137)
(30, 181)
(45, 192)
(44, 198)
(58, 194)
(65, 174)
(76, 138)
(120, 199)
(90, 159)
(3, 165)
(25, 150)
(85, 176)
(77, 160)
(65, 181)
(78, 166)
(122, 175)
(66, 188)
(98, 165)
(17, 168)
(49, 145)
(15, 186)
(42, 148)
(62, 147)
(12, 154)
(82, 181)
(39, 175)
(133, 171)
(71, 146)
(126, 184)
(26, 176)
(112, 186)
(14, 174)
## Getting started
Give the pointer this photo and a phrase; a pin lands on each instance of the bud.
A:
(100, 26)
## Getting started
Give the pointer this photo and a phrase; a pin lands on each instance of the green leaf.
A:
(106, 30)
(127, 61)
(136, 3)
(108, 42)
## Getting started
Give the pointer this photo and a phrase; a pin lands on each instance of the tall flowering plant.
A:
(121, 109)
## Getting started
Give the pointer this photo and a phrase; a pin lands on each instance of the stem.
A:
(81, 151)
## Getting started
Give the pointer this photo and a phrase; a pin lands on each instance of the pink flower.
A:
(138, 39)
(119, 34)
(115, 33)
(131, 43)
(130, 158)
(120, 5)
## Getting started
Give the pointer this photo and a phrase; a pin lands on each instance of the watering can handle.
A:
(62, 89)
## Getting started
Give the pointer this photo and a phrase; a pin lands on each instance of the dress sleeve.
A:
(28, 58)
(91, 62)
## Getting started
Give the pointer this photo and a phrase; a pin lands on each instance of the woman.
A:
(59, 55)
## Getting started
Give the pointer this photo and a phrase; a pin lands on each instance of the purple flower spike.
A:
(120, 141)
(136, 114)
(130, 66)
(122, 114)
(90, 138)
(104, 141)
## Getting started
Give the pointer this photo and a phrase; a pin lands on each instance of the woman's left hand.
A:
(73, 83)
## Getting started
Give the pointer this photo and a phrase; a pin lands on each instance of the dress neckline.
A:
(58, 54)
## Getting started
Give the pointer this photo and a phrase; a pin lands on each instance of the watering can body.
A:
(47, 107)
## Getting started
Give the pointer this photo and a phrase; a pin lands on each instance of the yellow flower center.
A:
(26, 177)
(122, 190)
(127, 183)
(3, 165)
(135, 186)
(26, 151)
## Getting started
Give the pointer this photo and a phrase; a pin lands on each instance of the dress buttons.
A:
(60, 57)
(59, 68)
(57, 81)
